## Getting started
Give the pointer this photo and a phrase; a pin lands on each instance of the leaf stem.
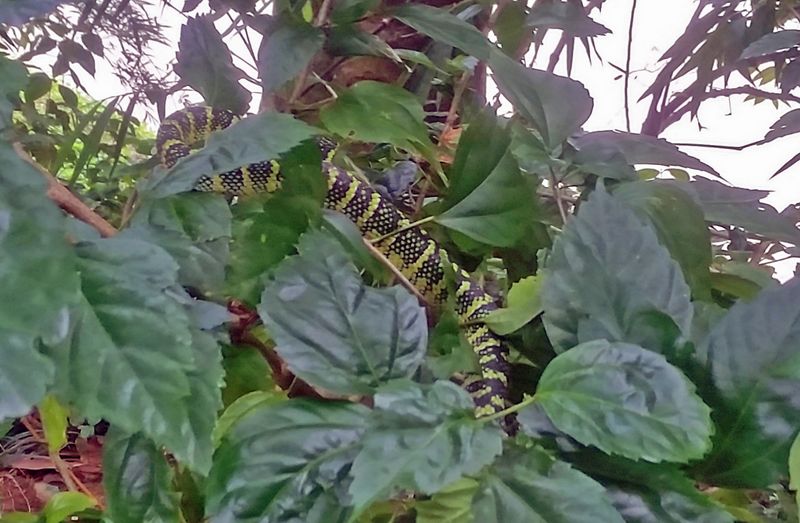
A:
(403, 229)
(510, 410)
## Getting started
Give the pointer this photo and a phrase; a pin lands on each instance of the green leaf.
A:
(680, 226)
(566, 16)
(137, 480)
(557, 106)
(65, 504)
(524, 303)
(246, 371)
(91, 143)
(37, 283)
(18, 12)
(420, 438)
(54, 417)
(755, 366)
(647, 492)
(449, 351)
(771, 43)
(286, 462)
(258, 138)
(452, 504)
(240, 408)
(527, 485)
(332, 330)
(794, 467)
(347, 11)
(205, 63)
(625, 400)
(376, 112)
(287, 51)
(639, 505)
(266, 229)
(15, 78)
(510, 27)
(194, 228)
(489, 199)
(444, 27)
(133, 354)
(637, 149)
(742, 207)
(39, 84)
(608, 277)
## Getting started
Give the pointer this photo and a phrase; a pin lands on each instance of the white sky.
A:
(658, 23)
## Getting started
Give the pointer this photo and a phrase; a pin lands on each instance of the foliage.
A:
(256, 362)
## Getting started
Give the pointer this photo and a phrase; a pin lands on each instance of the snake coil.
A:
(410, 249)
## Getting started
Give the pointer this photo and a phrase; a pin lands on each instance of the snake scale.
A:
(419, 258)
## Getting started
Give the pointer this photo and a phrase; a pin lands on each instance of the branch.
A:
(657, 121)
(628, 69)
(68, 201)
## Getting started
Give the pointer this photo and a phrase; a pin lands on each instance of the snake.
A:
(408, 247)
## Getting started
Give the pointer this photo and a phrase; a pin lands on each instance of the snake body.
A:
(409, 248)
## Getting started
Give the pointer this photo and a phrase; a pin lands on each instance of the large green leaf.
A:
(264, 136)
(555, 105)
(194, 228)
(421, 438)
(742, 207)
(636, 149)
(489, 199)
(625, 400)
(524, 303)
(680, 226)
(608, 277)
(527, 485)
(286, 462)
(137, 480)
(38, 282)
(376, 112)
(444, 27)
(452, 504)
(287, 51)
(134, 355)
(335, 332)
(266, 229)
(204, 62)
(755, 366)
(648, 492)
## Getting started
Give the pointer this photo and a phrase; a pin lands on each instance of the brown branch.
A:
(68, 201)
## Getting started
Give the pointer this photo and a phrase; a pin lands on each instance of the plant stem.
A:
(403, 229)
(510, 410)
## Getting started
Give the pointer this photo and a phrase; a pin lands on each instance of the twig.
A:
(68, 201)
(557, 197)
(299, 84)
(396, 272)
(452, 113)
(628, 68)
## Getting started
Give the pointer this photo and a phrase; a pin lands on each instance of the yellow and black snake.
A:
(410, 249)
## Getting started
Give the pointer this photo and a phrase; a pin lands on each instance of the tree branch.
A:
(68, 201)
